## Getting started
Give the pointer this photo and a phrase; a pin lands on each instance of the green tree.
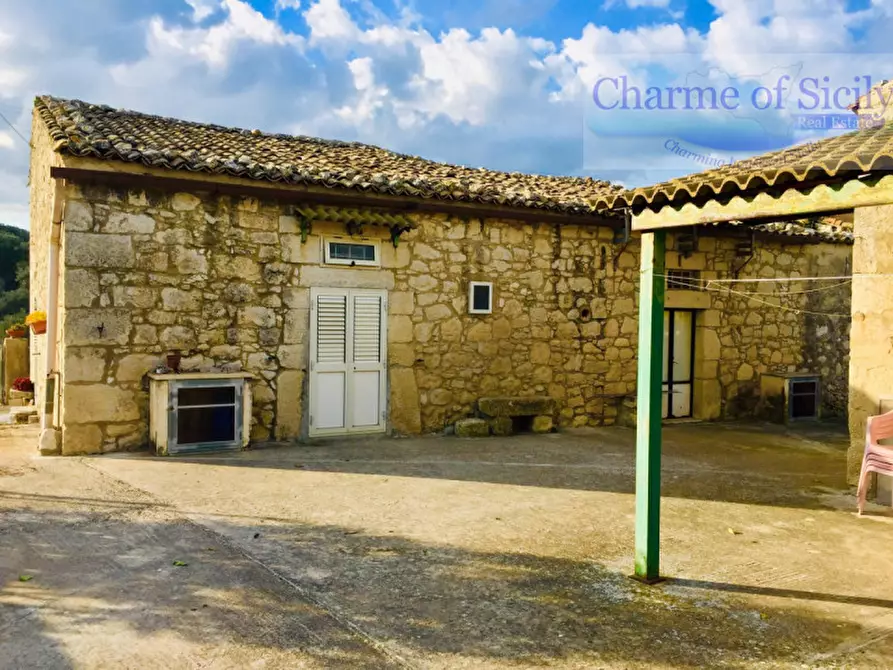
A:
(13, 275)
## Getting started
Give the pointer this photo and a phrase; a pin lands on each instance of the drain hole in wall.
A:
(522, 424)
(585, 314)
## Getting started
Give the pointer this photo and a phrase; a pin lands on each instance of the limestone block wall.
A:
(563, 324)
(41, 188)
(871, 361)
(758, 325)
(227, 280)
(224, 280)
(14, 362)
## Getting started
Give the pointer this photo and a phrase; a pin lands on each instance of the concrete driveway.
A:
(444, 553)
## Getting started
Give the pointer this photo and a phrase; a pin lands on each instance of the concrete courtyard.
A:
(444, 553)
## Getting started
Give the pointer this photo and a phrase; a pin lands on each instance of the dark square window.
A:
(206, 414)
(481, 298)
(804, 398)
(197, 425)
(803, 407)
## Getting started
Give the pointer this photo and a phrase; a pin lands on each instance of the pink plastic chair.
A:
(878, 458)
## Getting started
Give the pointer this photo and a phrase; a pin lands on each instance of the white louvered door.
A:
(348, 351)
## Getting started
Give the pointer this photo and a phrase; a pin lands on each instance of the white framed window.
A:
(480, 297)
(346, 251)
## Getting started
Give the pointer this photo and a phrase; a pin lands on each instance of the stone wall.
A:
(227, 280)
(563, 323)
(871, 362)
(14, 362)
(754, 326)
(566, 320)
(41, 189)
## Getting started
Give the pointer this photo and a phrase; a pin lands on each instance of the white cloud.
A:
(637, 4)
(371, 96)
(467, 78)
(283, 5)
(202, 9)
(328, 20)
(11, 80)
(214, 45)
(480, 97)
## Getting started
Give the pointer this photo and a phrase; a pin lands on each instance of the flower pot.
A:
(173, 361)
(39, 327)
(16, 332)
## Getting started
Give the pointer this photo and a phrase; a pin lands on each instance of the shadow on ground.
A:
(108, 569)
(113, 587)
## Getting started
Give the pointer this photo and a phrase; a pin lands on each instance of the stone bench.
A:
(507, 415)
(26, 414)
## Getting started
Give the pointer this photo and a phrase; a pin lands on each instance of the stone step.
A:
(23, 414)
(472, 428)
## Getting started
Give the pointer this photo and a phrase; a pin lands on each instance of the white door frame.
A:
(349, 365)
(672, 386)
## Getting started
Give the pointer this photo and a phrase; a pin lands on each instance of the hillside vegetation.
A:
(13, 276)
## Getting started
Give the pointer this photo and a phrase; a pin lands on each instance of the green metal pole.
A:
(652, 287)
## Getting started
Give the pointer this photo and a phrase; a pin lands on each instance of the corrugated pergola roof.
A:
(851, 154)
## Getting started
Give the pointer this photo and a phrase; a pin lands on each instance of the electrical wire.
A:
(754, 298)
(790, 309)
(14, 129)
(782, 279)
(706, 285)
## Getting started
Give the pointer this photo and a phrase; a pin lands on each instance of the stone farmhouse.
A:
(351, 289)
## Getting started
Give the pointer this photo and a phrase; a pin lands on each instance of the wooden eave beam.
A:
(335, 198)
(822, 199)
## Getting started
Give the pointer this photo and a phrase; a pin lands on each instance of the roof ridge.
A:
(200, 124)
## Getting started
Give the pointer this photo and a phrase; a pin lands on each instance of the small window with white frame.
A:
(480, 297)
(344, 251)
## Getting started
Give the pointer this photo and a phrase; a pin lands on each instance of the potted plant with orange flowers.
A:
(37, 320)
(17, 330)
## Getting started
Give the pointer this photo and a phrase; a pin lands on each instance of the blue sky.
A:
(505, 84)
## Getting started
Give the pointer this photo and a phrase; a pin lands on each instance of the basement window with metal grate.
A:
(804, 394)
(684, 280)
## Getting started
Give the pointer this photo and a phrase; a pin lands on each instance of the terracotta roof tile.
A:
(827, 229)
(84, 129)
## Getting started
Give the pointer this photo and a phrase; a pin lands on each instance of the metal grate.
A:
(351, 252)
(205, 415)
(804, 398)
(684, 280)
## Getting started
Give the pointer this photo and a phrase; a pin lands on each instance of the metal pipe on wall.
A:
(52, 304)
